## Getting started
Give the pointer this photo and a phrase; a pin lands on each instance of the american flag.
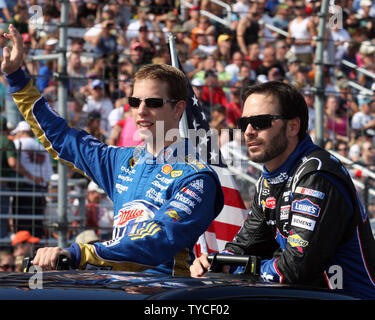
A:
(231, 218)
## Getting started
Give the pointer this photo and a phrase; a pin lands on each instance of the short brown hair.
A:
(175, 78)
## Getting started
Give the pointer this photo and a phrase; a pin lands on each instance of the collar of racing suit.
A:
(282, 173)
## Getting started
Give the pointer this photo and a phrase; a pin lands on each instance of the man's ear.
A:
(293, 127)
(179, 109)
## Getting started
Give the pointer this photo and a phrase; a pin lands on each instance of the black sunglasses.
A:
(150, 102)
(260, 122)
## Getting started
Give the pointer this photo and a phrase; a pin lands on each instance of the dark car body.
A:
(115, 285)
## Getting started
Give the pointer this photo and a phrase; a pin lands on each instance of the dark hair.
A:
(291, 102)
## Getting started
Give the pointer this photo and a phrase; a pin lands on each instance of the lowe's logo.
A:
(306, 206)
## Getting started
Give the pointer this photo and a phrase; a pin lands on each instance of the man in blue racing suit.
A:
(306, 223)
(164, 196)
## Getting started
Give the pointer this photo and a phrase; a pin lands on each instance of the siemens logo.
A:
(306, 206)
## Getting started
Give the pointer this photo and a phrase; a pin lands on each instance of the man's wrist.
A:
(17, 80)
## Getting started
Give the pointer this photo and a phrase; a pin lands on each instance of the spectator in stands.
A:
(143, 19)
(351, 56)
(223, 53)
(148, 46)
(159, 10)
(309, 99)
(87, 9)
(218, 118)
(247, 31)
(367, 158)
(204, 28)
(6, 8)
(46, 26)
(37, 162)
(122, 13)
(233, 68)
(341, 39)
(363, 120)
(254, 56)
(9, 166)
(171, 20)
(234, 106)
(342, 148)
(21, 18)
(97, 101)
(45, 74)
(182, 42)
(76, 70)
(124, 132)
(241, 8)
(293, 68)
(300, 34)
(76, 116)
(213, 93)
(336, 119)
(105, 41)
(93, 126)
(136, 59)
(98, 217)
(194, 63)
(6, 261)
(282, 18)
(282, 53)
(269, 62)
(23, 246)
(193, 20)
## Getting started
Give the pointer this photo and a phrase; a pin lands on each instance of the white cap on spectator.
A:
(366, 3)
(21, 126)
(197, 82)
(94, 187)
(52, 42)
(87, 236)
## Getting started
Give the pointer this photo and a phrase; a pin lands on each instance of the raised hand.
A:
(12, 59)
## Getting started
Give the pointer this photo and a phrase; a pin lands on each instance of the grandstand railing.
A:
(227, 7)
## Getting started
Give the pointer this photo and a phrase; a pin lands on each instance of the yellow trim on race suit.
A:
(25, 99)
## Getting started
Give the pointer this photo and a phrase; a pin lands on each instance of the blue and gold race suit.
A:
(309, 227)
(162, 204)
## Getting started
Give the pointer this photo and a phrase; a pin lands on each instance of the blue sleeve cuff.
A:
(17, 80)
(75, 252)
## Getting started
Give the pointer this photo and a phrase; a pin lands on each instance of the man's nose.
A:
(142, 109)
(250, 131)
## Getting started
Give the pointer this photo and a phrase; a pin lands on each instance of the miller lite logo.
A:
(127, 215)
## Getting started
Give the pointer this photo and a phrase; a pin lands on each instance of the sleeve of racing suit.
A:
(320, 213)
(255, 237)
(76, 148)
(175, 226)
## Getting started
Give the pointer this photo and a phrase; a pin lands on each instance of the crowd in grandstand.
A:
(109, 40)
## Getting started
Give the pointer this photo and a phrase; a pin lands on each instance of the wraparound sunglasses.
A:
(150, 102)
(260, 122)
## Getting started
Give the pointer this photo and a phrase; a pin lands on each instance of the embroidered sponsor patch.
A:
(176, 173)
(284, 212)
(306, 206)
(296, 241)
(191, 193)
(310, 192)
(271, 203)
(302, 222)
(173, 214)
(166, 169)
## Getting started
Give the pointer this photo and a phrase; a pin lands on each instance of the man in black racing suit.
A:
(306, 222)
